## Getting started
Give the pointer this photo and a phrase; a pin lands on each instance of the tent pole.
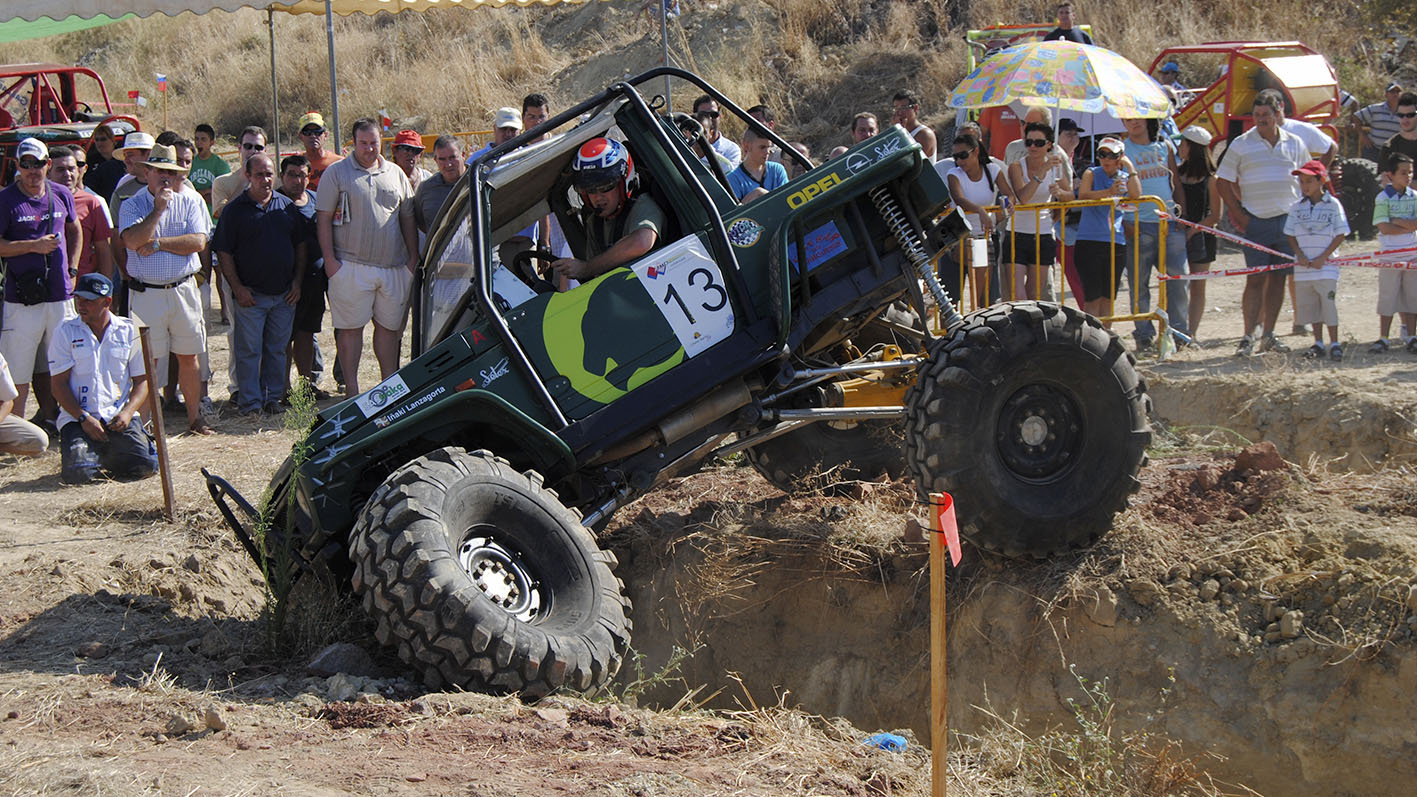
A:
(275, 93)
(334, 93)
(664, 41)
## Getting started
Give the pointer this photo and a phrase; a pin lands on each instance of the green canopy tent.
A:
(28, 19)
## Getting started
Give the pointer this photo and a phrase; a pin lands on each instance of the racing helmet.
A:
(601, 162)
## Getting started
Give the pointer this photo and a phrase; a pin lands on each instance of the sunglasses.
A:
(1035, 142)
(1108, 155)
(257, 147)
(1408, 115)
(959, 156)
(713, 114)
(313, 131)
(27, 163)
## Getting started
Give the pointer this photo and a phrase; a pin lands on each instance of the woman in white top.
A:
(1029, 249)
(976, 182)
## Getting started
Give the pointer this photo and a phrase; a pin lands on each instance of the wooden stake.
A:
(169, 501)
(939, 726)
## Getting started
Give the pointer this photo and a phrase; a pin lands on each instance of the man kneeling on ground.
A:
(100, 381)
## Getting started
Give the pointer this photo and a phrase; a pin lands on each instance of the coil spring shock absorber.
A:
(914, 250)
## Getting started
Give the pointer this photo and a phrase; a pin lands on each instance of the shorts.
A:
(1093, 261)
(1314, 302)
(310, 310)
(1200, 248)
(1269, 233)
(174, 320)
(24, 340)
(360, 292)
(1024, 250)
(1397, 291)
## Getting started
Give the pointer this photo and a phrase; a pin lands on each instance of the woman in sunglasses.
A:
(975, 182)
(1029, 247)
(1101, 250)
(100, 149)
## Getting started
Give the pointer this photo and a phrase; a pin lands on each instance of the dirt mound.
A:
(1238, 600)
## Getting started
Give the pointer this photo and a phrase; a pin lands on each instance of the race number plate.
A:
(689, 290)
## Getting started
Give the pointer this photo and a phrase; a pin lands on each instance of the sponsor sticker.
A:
(743, 233)
(381, 396)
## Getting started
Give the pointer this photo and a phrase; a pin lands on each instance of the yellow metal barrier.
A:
(979, 276)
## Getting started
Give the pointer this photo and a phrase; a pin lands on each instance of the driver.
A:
(620, 225)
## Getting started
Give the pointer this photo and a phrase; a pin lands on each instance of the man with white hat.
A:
(133, 153)
(164, 229)
(506, 124)
(39, 240)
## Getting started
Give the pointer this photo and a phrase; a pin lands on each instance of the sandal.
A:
(201, 427)
(1380, 346)
(1335, 352)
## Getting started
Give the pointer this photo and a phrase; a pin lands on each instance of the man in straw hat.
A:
(164, 229)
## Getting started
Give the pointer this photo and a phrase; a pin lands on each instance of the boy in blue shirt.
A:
(756, 175)
(1315, 226)
(1395, 216)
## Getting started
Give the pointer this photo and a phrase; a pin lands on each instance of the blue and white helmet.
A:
(601, 162)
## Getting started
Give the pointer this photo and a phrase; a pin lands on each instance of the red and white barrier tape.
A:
(1405, 258)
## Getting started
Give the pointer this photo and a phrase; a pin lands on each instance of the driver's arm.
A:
(632, 246)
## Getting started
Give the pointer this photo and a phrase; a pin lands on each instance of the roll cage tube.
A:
(758, 127)
(479, 168)
(719, 239)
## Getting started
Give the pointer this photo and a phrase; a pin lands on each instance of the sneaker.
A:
(1145, 345)
(206, 408)
(1335, 352)
(1412, 345)
(1380, 346)
(1270, 343)
(1316, 350)
(272, 408)
(1246, 347)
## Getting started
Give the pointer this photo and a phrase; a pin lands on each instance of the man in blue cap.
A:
(1170, 76)
(100, 380)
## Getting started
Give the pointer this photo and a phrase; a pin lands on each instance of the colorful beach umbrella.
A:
(1064, 75)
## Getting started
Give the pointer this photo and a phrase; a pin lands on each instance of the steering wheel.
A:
(521, 266)
(80, 105)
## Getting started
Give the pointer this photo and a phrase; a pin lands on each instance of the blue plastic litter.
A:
(887, 741)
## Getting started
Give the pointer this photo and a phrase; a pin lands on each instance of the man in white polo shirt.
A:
(164, 229)
(364, 221)
(1256, 181)
(100, 381)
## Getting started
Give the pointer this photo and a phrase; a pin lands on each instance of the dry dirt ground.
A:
(135, 659)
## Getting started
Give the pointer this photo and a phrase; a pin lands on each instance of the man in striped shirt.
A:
(1381, 120)
(1256, 181)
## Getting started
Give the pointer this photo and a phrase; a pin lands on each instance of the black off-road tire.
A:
(543, 612)
(828, 458)
(1359, 180)
(1033, 418)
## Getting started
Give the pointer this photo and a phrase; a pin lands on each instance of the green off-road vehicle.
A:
(458, 498)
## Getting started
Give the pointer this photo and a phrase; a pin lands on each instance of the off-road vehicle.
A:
(458, 497)
(54, 103)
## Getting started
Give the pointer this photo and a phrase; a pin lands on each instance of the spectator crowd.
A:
(136, 231)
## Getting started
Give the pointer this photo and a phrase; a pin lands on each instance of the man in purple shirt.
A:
(39, 240)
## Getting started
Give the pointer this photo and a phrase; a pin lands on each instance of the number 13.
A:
(709, 287)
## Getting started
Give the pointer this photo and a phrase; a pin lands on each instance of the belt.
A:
(140, 286)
